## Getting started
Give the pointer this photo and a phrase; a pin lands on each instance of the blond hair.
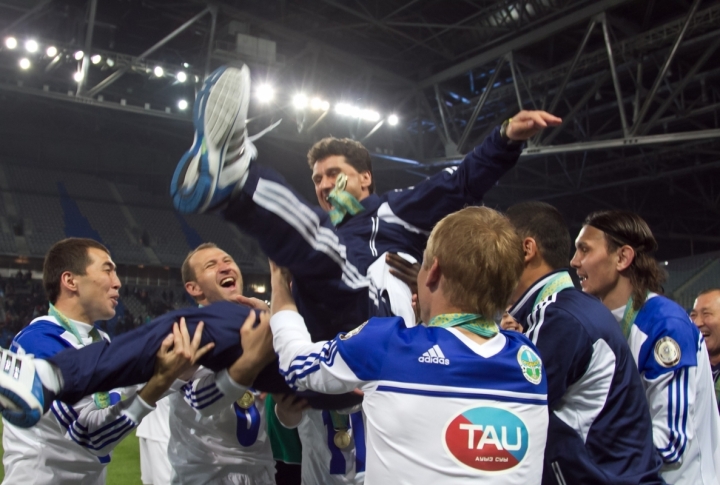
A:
(480, 257)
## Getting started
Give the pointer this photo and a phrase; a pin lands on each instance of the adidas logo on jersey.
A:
(434, 356)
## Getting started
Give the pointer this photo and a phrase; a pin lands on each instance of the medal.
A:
(247, 400)
(342, 438)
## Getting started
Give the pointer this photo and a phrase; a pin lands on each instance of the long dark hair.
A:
(627, 228)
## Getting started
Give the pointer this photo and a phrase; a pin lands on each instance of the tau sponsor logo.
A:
(487, 439)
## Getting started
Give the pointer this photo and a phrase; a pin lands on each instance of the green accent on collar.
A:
(471, 322)
(342, 202)
(101, 399)
(629, 316)
(557, 283)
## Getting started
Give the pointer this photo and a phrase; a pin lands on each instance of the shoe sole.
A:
(215, 116)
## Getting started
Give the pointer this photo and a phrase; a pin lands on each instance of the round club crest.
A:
(667, 352)
(530, 364)
(487, 439)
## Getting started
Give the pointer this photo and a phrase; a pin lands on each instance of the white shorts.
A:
(155, 468)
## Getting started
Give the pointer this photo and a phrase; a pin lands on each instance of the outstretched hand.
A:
(527, 124)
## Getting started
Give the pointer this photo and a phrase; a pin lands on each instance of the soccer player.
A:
(706, 316)
(453, 402)
(600, 429)
(217, 438)
(335, 283)
(335, 252)
(613, 259)
(72, 444)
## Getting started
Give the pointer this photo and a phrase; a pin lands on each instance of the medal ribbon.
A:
(342, 202)
(102, 399)
(340, 422)
(557, 283)
(629, 316)
(717, 389)
(471, 322)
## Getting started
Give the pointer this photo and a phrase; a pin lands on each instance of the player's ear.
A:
(194, 290)
(433, 274)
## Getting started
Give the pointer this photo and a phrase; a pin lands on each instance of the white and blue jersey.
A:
(675, 369)
(600, 429)
(440, 407)
(330, 265)
(212, 439)
(71, 444)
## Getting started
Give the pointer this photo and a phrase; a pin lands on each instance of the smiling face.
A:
(707, 318)
(98, 289)
(325, 173)
(596, 267)
(217, 277)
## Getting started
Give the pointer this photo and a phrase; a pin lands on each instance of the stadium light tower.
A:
(11, 43)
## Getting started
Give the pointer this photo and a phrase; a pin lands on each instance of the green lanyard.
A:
(629, 316)
(717, 389)
(102, 399)
(471, 322)
(557, 283)
(342, 202)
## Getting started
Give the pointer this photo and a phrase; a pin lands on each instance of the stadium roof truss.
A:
(633, 80)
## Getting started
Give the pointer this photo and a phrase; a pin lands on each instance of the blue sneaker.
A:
(21, 392)
(217, 163)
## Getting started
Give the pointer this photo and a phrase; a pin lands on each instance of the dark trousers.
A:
(130, 358)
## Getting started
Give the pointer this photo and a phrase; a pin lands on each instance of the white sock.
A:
(49, 375)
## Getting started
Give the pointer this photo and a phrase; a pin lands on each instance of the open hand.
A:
(527, 124)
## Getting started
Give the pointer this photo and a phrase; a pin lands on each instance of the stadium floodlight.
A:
(265, 93)
(300, 101)
(182, 104)
(11, 43)
(24, 63)
(158, 71)
(186, 65)
(343, 109)
(31, 46)
(78, 76)
(110, 62)
(393, 120)
(79, 55)
(370, 115)
(96, 59)
(181, 76)
(51, 51)
(318, 104)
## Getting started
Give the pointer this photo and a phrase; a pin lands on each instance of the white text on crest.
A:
(490, 437)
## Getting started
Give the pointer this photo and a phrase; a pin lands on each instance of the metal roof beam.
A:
(521, 41)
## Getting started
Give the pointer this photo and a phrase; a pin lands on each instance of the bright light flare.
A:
(158, 71)
(300, 101)
(51, 51)
(31, 46)
(11, 43)
(24, 63)
(318, 104)
(182, 104)
(393, 120)
(110, 62)
(78, 76)
(181, 76)
(265, 93)
(370, 115)
(96, 59)
(79, 55)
